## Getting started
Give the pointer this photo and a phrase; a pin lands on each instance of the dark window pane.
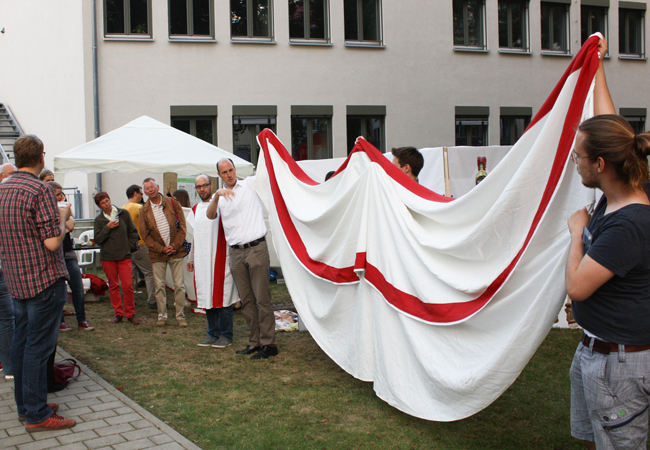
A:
(114, 17)
(296, 19)
(182, 124)
(370, 20)
(242, 141)
(204, 130)
(353, 131)
(178, 16)
(351, 20)
(299, 144)
(459, 23)
(317, 19)
(201, 17)
(503, 24)
(238, 23)
(320, 139)
(592, 19)
(261, 18)
(139, 17)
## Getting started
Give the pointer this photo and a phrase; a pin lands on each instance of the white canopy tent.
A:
(148, 145)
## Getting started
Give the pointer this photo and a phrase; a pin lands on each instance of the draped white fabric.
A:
(441, 303)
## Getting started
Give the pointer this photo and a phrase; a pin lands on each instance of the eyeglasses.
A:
(201, 186)
(575, 157)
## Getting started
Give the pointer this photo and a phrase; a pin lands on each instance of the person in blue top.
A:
(608, 280)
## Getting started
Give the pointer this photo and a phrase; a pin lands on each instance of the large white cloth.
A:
(213, 282)
(441, 303)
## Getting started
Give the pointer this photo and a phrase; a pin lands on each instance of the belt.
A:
(607, 347)
(250, 244)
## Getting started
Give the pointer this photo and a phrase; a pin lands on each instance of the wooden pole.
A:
(445, 160)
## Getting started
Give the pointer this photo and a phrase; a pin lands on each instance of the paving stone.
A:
(76, 412)
(161, 439)
(77, 437)
(134, 445)
(8, 416)
(171, 446)
(92, 386)
(40, 445)
(7, 401)
(83, 426)
(94, 394)
(104, 441)
(7, 396)
(10, 423)
(79, 403)
(75, 446)
(98, 415)
(3, 434)
(142, 433)
(124, 418)
(7, 389)
(144, 423)
(105, 406)
(124, 410)
(121, 428)
(50, 434)
(15, 431)
(63, 399)
(73, 391)
(15, 440)
(108, 398)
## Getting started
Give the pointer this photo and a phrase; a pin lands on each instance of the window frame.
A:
(379, 43)
(588, 6)
(624, 8)
(525, 34)
(634, 116)
(250, 38)
(190, 36)
(193, 113)
(362, 112)
(514, 113)
(310, 113)
(326, 25)
(567, 29)
(127, 25)
(252, 112)
(472, 114)
(482, 46)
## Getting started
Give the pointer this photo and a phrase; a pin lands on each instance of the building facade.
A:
(318, 72)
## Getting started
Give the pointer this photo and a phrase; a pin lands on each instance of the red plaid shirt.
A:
(28, 216)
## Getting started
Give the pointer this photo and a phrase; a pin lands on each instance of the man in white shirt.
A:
(208, 259)
(243, 222)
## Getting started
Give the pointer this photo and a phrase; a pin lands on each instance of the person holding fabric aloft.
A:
(117, 236)
(608, 279)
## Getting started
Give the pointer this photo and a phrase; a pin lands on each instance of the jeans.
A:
(77, 288)
(7, 324)
(220, 322)
(119, 272)
(37, 330)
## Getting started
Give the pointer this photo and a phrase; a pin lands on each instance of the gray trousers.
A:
(141, 261)
(250, 269)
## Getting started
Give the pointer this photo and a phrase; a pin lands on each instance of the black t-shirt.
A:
(619, 311)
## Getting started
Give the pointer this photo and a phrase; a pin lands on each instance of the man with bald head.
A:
(6, 170)
(240, 210)
(208, 259)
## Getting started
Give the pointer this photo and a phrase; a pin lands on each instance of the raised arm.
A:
(603, 103)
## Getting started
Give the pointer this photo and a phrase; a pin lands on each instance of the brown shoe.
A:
(182, 323)
(54, 422)
(117, 319)
(133, 320)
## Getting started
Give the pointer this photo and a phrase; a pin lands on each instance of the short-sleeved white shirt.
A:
(242, 216)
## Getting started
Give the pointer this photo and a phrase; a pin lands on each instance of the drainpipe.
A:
(98, 180)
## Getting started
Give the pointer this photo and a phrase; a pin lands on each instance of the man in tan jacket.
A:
(164, 238)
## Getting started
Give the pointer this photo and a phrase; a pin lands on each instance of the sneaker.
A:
(182, 323)
(64, 327)
(53, 406)
(265, 352)
(54, 422)
(222, 342)
(208, 342)
(85, 326)
(161, 322)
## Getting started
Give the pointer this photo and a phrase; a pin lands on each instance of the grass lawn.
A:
(301, 398)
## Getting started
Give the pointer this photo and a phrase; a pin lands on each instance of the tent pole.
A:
(445, 160)
(98, 176)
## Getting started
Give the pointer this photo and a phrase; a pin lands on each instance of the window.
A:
(366, 121)
(513, 24)
(636, 117)
(469, 23)
(362, 21)
(311, 132)
(190, 18)
(251, 19)
(308, 19)
(127, 17)
(513, 123)
(199, 121)
(631, 26)
(247, 123)
(472, 125)
(592, 19)
(555, 27)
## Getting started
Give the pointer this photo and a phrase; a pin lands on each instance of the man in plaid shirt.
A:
(31, 232)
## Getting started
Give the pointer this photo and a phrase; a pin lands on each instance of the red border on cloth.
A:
(586, 59)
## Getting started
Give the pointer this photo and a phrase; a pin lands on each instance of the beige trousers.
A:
(159, 273)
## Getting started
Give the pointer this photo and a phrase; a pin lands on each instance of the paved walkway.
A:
(106, 419)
